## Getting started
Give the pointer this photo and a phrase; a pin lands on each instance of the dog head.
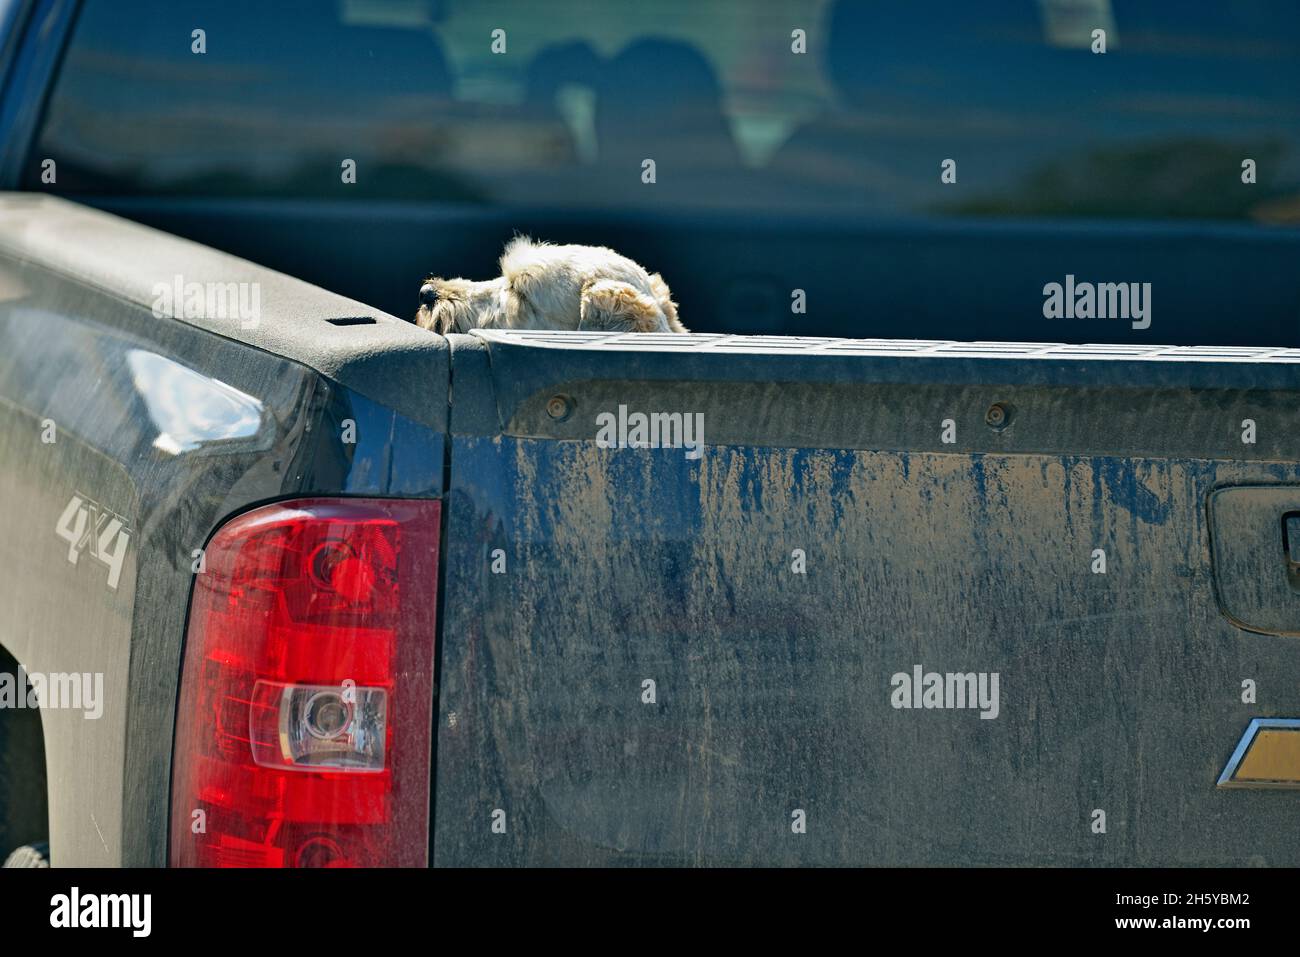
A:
(459, 305)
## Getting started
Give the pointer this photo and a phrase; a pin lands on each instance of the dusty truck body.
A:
(655, 655)
(302, 584)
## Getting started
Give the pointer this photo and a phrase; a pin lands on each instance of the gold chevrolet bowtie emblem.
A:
(1267, 756)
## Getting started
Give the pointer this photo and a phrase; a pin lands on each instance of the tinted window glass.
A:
(586, 91)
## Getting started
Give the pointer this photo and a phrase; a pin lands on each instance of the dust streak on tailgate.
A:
(862, 509)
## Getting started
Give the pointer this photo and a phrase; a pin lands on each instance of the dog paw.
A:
(612, 306)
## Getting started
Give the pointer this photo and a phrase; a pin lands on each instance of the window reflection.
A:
(190, 409)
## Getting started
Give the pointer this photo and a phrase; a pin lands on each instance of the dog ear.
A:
(524, 273)
(665, 299)
(608, 305)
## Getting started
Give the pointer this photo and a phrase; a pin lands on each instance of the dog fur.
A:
(543, 286)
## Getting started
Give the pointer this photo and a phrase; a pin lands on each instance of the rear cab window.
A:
(797, 117)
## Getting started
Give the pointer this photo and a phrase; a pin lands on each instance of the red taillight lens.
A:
(303, 734)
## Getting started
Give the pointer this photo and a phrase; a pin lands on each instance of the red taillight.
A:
(305, 720)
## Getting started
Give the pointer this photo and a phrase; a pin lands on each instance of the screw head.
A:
(998, 417)
(558, 407)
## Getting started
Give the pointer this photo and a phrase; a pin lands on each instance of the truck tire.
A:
(29, 855)
(24, 819)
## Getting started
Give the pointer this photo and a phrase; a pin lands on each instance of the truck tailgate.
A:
(577, 573)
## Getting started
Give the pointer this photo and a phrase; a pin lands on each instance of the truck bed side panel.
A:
(167, 423)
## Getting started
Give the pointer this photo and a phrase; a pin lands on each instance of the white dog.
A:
(542, 286)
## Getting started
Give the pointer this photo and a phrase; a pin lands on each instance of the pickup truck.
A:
(291, 582)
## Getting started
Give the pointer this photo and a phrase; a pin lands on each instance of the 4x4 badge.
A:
(87, 526)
